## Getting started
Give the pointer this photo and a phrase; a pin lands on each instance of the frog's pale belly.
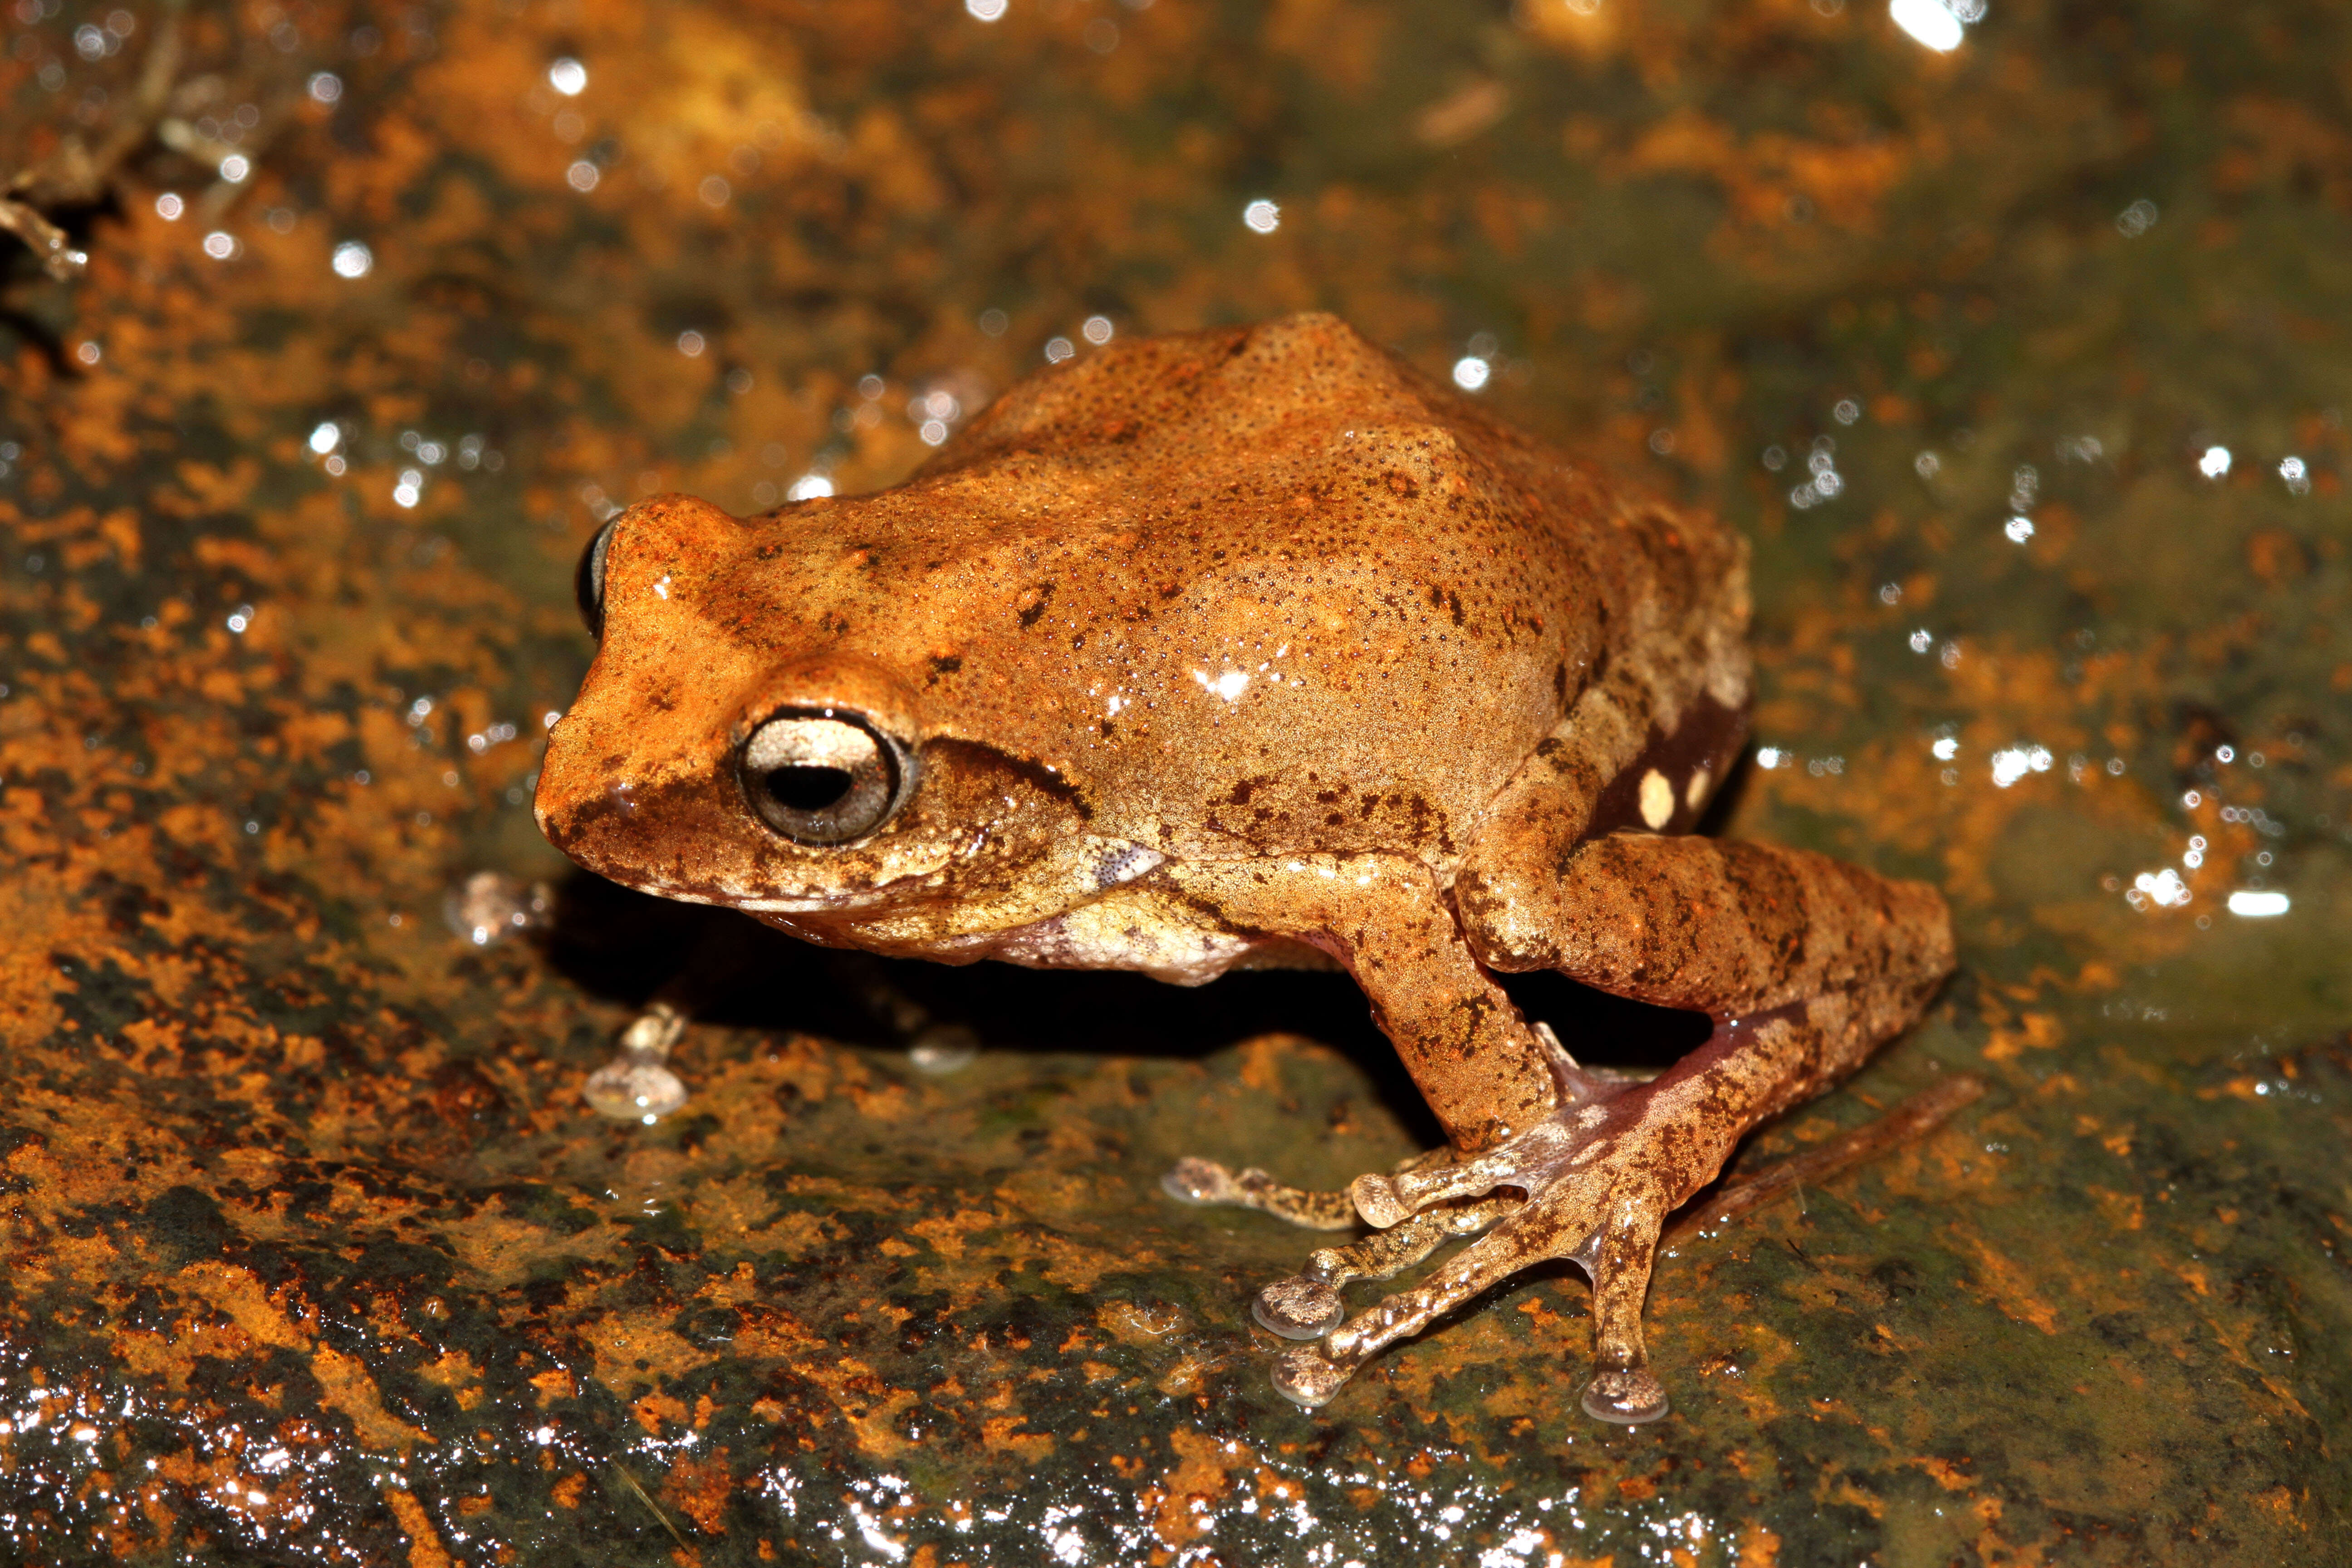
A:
(1095, 938)
(1137, 929)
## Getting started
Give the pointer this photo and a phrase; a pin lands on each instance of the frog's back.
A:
(1372, 600)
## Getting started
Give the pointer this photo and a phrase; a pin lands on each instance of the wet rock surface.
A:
(314, 1253)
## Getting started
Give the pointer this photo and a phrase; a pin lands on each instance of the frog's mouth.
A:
(702, 841)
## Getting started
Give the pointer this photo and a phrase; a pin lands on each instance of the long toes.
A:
(1625, 1398)
(1298, 1307)
(1193, 1181)
(1303, 1377)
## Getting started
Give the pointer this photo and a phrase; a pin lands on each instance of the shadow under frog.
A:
(1254, 647)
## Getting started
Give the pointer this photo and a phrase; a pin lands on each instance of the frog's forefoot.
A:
(637, 1085)
(1591, 1182)
(1306, 1305)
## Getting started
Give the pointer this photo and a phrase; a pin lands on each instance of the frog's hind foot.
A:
(1600, 1179)
(1622, 1391)
(1306, 1305)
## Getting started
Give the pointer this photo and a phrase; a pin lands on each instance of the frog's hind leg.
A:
(1616, 1253)
(1602, 1179)
(1805, 964)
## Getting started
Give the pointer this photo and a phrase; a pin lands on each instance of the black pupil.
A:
(804, 788)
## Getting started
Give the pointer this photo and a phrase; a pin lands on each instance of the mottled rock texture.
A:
(313, 1253)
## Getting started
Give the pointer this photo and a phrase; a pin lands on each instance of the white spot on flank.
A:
(1657, 800)
(1697, 791)
(1125, 864)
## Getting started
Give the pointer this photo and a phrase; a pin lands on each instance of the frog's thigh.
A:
(1728, 929)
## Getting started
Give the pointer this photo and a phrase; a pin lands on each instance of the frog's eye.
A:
(588, 580)
(823, 777)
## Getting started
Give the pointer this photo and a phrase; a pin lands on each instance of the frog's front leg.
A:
(1384, 919)
(1482, 1070)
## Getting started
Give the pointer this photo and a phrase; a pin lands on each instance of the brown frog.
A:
(1256, 648)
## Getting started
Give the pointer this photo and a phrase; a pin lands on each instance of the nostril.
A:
(805, 788)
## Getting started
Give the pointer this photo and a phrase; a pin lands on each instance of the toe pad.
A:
(1298, 1307)
(1195, 1181)
(1625, 1398)
(1303, 1377)
(1375, 1198)
(634, 1087)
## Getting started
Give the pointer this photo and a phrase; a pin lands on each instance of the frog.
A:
(1256, 648)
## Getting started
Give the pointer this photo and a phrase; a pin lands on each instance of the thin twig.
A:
(1906, 1123)
(75, 175)
(45, 239)
(646, 1498)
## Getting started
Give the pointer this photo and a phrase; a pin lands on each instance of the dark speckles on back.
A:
(1033, 603)
(1241, 792)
